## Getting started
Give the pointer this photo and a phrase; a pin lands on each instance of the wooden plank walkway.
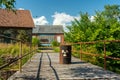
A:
(45, 66)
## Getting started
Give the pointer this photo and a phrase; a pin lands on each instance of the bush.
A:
(35, 41)
(56, 49)
(55, 44)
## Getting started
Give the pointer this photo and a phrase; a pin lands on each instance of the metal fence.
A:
(20, 55)
(83, 50)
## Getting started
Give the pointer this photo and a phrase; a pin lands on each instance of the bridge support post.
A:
(30, 51)
(104, 55)
(80, 51)
(20, 55)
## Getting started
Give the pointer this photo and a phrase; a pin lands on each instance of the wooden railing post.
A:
(104, 55)
(20, 55)
(80, 51)
(30, 51)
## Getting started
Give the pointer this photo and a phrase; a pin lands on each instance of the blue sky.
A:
(61, 11)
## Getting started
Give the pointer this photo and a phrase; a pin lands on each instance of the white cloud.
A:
(21, 9)
(63, 19)
(92, 18)
(40, 20)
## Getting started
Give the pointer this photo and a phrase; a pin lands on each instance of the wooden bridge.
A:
(45, 66)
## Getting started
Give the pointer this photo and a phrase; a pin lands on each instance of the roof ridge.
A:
(45, 29)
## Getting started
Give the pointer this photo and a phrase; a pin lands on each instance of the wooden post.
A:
(80, 51)
(104, 56)
(20, 55)
(30, 51)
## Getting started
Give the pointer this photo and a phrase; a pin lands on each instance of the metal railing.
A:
(20, 56)
(86, 52)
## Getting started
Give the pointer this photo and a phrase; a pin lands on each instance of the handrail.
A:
(93, 42)
(115, 58)
(96, 55)
(20, 53)
(88, 53)
(7, 64)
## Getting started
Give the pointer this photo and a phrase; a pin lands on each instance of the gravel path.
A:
(46, 67)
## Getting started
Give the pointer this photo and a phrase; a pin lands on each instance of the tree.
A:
(8, 4)
(111, 11)
(106, 26)
(80, 30)
(107, 23)
(112, 15)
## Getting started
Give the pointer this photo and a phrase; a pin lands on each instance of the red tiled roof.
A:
(21, 19)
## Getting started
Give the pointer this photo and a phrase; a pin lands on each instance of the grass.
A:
(8, 51)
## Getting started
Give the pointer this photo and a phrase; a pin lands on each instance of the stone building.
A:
(14, 24)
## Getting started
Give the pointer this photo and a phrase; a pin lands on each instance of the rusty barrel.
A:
(65, 54)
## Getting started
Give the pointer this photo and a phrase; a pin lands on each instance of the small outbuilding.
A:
(49, 33)
(14, 24)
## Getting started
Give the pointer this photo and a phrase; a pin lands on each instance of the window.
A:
(59, 39)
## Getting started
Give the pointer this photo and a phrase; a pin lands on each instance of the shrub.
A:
(35, 41)
(55, 44)
(56, 49)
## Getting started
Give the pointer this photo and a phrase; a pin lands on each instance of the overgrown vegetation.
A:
(104, 26)
(9, 52)
(55, 43)
(56, 49)
(35, 41)
(55, 46)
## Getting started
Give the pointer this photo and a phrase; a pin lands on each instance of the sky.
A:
(61, 12)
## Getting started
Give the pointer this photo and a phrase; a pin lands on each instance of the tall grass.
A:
(11, 51)
(8, 51)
